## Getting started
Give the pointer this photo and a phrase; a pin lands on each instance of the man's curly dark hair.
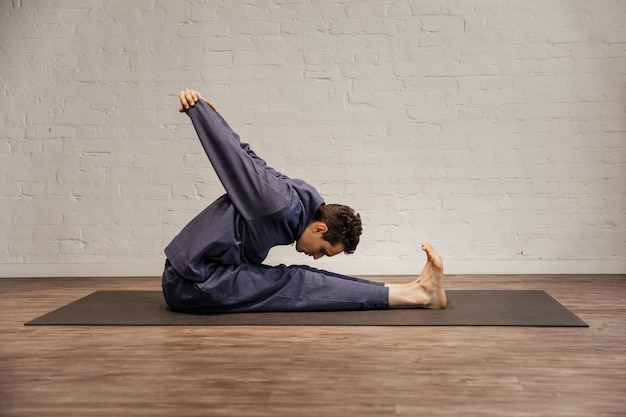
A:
(344, 225)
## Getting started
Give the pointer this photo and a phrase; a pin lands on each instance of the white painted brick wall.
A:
(495, 130)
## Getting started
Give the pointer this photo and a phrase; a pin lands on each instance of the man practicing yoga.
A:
(214, 265)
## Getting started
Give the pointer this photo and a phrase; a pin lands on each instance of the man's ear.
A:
(320, 227)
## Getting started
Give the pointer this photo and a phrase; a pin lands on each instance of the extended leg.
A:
(245, 288)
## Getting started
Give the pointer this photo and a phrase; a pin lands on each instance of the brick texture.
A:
(495, 130)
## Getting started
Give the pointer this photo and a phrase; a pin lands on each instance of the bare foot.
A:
(431, 278)
(427, 290)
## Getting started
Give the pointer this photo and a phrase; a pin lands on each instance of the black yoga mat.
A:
(465, 308)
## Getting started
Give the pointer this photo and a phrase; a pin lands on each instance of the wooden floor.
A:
(315, 371)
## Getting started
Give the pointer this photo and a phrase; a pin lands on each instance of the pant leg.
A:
(245, 288)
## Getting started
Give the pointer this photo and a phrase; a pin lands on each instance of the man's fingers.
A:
(195, 96)
(188, 98)
(184, 104)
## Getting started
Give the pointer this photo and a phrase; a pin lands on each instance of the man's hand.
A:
(189, 98)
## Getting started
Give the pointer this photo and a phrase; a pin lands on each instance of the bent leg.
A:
(245, 288)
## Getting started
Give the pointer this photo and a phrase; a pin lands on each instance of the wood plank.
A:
(269, 371)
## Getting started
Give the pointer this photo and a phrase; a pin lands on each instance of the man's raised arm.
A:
(255, 189)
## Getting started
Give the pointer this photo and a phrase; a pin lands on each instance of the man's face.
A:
(313, 244)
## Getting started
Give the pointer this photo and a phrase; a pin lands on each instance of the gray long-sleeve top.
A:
(262, 208)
